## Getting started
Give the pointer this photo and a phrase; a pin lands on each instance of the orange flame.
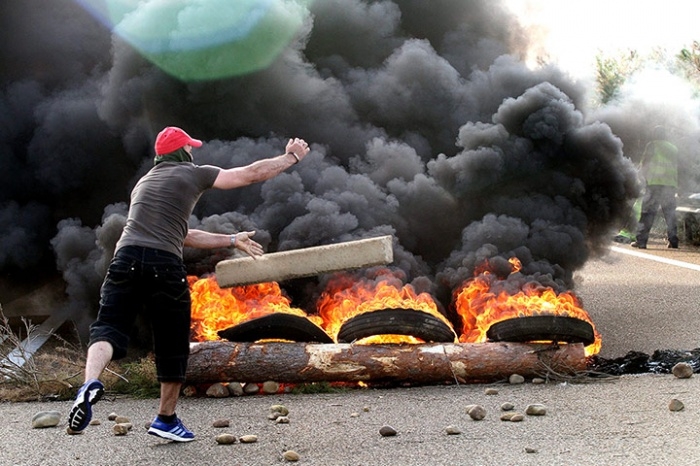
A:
(347, 296)
(215, 308)
(480, 307)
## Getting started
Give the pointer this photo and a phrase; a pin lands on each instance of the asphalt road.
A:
(638, 304)
(643, 300)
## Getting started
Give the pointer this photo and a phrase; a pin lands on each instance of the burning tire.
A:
(542, 328)
(276, 326)
(396, 322)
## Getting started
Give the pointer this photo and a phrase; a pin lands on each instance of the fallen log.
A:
(306, 262)
(225, 361)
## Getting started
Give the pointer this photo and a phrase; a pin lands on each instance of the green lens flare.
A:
(195, 40)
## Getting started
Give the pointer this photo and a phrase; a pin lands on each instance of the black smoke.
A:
(423, 119)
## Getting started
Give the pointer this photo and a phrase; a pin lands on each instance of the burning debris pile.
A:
(372, 307)
(425, 124)
(357, 311)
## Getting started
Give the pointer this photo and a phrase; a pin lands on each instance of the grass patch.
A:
(138, 379)
(56, 371)
(32, 377)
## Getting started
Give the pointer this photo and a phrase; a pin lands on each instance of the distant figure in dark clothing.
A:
(660, 171)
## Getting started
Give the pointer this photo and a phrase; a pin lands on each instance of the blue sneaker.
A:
(175, 430)
(81, 412)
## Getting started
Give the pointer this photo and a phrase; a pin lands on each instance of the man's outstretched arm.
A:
(262, 170)
(242, 240)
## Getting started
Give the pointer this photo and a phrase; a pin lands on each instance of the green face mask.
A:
(180, 155)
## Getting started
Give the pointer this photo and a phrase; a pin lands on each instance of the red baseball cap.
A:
(173, 138)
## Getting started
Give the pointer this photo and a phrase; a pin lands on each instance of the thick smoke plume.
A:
(423, 120)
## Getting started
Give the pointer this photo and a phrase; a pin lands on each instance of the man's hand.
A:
(247, 245)
(298, 148)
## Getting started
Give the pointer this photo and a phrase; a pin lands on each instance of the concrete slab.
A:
(317, 260)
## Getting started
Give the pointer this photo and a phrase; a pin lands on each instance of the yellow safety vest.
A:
(662, 166)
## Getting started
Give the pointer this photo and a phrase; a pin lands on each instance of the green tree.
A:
(612, 72)
(688, 60)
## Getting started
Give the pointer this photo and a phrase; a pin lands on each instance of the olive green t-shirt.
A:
(161, 204)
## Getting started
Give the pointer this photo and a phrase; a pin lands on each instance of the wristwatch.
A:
(233, 240)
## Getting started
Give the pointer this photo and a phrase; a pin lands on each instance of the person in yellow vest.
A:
(659, 169)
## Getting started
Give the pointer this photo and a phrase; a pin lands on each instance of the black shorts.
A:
(154, 283)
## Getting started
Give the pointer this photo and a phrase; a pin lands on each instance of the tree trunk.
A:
(225, 361)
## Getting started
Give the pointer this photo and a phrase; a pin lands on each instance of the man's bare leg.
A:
(169, 394)
(99, 356)
(167, 425)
